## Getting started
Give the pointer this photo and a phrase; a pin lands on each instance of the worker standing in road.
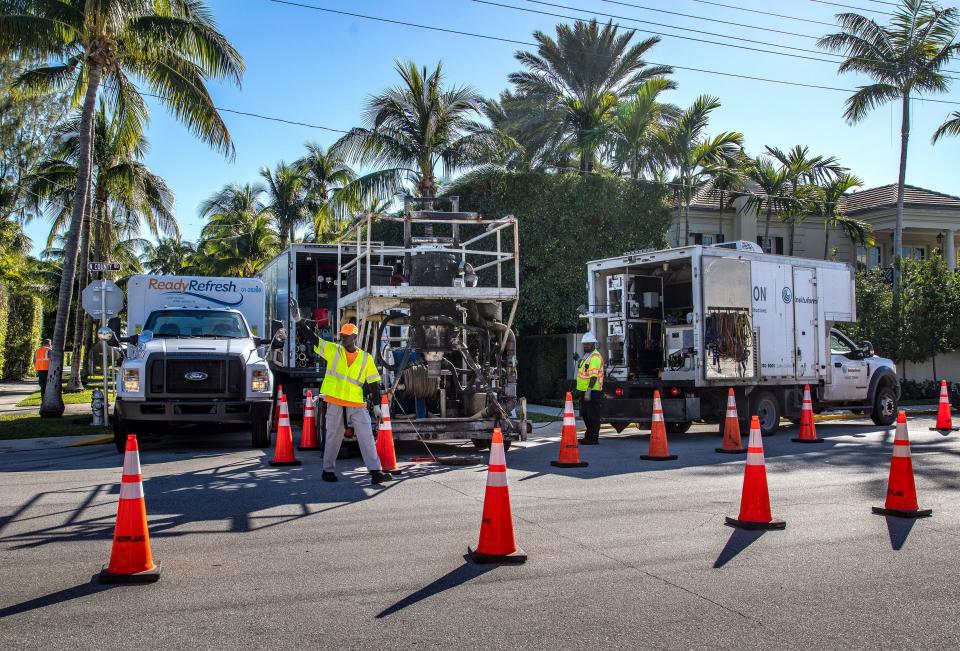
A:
(351, 375)
(41, 363)
(590, 385)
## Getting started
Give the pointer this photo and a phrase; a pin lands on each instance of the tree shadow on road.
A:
(739, 540)
(54, 598)
(451, 579)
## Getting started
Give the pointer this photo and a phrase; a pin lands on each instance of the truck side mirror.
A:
(276, 325)
(866, 348)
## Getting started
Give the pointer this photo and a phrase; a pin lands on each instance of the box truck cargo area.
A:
(695, 321)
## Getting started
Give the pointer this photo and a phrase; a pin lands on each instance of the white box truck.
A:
(194, 355)
(694, 321)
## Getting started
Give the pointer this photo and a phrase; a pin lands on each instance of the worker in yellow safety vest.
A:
(350, 377)
(590, 386)
(41, 364)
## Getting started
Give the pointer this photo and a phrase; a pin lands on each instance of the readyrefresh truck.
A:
(693, 322)
(194, 354)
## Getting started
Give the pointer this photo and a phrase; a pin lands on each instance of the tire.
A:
(619, 427)
(679, 428)
(884, 411)
(120, 430)
(856, 412)
(766, 407)
(260, 434)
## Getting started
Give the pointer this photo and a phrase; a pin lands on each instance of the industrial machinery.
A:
(430, 301)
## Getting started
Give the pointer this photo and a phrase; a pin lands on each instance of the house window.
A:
(771, 244)
(868, 256)
(705, 239)
(915, 252)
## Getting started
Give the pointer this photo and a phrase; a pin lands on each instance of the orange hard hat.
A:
(349, 329)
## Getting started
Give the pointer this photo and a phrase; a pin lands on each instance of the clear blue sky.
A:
(319, 68)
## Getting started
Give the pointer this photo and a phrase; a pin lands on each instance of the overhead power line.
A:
(838, 4)
(502, 39)
(764, 13)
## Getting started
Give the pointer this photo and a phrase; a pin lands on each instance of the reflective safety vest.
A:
(343, 382)
(591, 366)
(41, 359)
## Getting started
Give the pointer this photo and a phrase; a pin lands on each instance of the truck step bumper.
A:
(194, 411)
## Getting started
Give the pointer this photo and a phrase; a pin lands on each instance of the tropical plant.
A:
(578, 79)
(239, 237)
(413, 128)
(904, 59)
(286, 199)
(950, 127)
(637, 128)
(726, 177)
(691, 153)
(772, 181)
(332, 189)
(168, 256)
(525, 141)
(828, 206)
(171, 46)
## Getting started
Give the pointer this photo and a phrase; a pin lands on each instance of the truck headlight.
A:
(131, 380)
(259, 380)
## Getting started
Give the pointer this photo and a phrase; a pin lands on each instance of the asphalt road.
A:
(623, 554)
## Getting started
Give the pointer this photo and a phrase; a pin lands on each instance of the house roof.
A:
(885, 196)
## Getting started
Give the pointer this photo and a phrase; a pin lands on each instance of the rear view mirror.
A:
(867, 349)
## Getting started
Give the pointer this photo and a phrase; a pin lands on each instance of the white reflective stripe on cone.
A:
(755, 459)
(284, 410)
(756, 441)
(731, 402)
(385, 410)
(569, 420)
(901, 433)
(131, 490)
(731, 412)
(658, 416)
(497, 457)
(497, 479)
(283, 421)
(901, 451)
(131, 463)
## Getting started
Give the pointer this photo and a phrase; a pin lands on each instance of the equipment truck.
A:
(693, 322)
(195, 355)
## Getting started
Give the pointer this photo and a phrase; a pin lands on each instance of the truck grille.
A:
(167, 376)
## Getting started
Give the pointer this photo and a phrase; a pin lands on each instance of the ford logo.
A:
(196, 376)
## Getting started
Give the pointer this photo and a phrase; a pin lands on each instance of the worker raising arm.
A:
(590, 384)
(351, 375)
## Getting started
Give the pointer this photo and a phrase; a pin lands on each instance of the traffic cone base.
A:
(669, 457)
(944, 429)
(799, 440)
(919, 513)
(295, 462)
(516, 558)
(147, 576)
(569, 456)
(755, 526)
(733, 451)
(564, 464)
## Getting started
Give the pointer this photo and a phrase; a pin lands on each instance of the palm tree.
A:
(413, 128)
(802, 168)
(904, 59)
(638, 126)
(726, 176)
(950, 127)
(579, 78)
(172, 47)
(829, 207)
(239, 237)
(525, 140)
(168, 256)
(691, 153)
(286, 199)
(772, 181)
(332, 189)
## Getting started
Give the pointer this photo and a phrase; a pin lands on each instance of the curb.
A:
(96, 440)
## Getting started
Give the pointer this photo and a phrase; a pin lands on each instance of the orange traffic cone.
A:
(755, 498)
(658, 450)
(569, 451)
(385, 449)
(731, 428)
(308, 434)
(283, 451)
(276, 413)
(901, 489)
(944, 421)
(130, 558)
(497, 544)
(808, 431)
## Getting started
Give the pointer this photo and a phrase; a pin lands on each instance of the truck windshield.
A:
(193, 323)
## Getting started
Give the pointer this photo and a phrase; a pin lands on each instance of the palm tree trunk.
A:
(766, 229)
(720, 233)
(76, 384)
(53, 397)
(901, 181)
(826, 237)
(793, 233)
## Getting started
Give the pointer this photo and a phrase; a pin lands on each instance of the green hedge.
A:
(542, 371)
(4, 322)
(23, 335)
(565, 220)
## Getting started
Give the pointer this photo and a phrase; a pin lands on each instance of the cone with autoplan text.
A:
(901, 488)
(808, 431)
(308, 433)
(755, 498)
(569, 450)
(658, 450)
(497, 543)
(283, 449)
(732, 443)
(385, 448)
(130, 559)
(944, 420)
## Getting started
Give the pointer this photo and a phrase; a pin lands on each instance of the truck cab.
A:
(196, 357)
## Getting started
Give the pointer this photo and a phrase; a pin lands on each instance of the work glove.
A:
(377, 412)
(588, 395)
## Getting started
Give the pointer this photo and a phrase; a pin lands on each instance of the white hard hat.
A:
(588, 338)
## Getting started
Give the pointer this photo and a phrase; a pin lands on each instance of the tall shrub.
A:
(23, 334)
(4, 322)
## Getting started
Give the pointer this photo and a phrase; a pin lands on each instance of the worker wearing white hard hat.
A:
(590, 386)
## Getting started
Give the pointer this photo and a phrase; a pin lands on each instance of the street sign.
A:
(103, 266)
(102, 299)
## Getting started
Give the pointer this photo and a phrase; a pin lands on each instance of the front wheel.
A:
(679, 428)
(121, 429)
(884, 410)
(767, 410)
(260, 434)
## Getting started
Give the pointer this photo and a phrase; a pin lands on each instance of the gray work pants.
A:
(359, 419)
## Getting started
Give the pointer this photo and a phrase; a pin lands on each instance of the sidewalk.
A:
(13, 392)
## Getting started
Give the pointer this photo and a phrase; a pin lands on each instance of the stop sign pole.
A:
(103, 268)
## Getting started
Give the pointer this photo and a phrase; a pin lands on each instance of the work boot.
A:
(378, 476)
(328, 476)
(589, 442)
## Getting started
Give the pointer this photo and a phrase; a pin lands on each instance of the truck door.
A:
(849, 377)
(806, 322)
